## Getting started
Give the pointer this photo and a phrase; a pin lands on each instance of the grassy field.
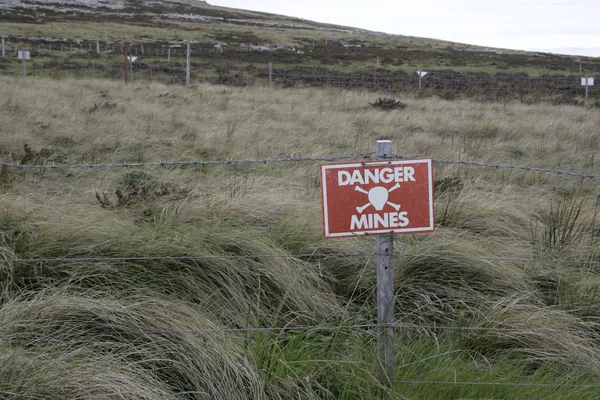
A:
(158, 327)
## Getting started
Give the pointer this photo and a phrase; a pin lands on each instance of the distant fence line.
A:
(441, 81)
(266, 161)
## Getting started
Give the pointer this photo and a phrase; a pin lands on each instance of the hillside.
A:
(234, 47)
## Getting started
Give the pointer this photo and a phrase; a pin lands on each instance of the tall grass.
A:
(175, 328)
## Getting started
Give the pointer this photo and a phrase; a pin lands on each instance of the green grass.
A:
(176, 328)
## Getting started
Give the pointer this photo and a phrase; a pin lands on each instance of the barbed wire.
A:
(328, 328)
(506, 166)
(510, 384)
(269, 160)
(186, 163)
(290, 255)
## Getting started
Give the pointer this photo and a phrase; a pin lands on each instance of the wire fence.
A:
(370, 328)
(222, 64)
(321, 256)
(266, 161)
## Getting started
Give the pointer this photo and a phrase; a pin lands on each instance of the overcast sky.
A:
(564, 26)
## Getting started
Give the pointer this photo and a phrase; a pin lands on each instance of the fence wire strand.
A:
(322, 256)
(436, 329)
(509, 384)
(266, 161)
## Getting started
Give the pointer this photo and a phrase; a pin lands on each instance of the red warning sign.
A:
(376, 198)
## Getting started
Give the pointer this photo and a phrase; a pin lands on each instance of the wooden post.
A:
(169, 55)
(385, 287)
(270, 74)
(3, 53)
(587, 79)
(130, 70)
(97, 47)
(420, 78)
(125, 65)
(24, 70)
(187, 66)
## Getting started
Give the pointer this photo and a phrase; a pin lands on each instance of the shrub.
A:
(388, 104)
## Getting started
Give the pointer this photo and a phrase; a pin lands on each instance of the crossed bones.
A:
(363, 208)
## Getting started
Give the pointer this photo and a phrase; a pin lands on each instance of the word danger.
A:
(375, 221)
(383, 175)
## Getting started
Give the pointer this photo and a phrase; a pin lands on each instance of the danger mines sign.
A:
(379, 197)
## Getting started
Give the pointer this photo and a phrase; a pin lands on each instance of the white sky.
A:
(564, 26)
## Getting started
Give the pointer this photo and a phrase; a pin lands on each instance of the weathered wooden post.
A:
(125, 51)
(421, 75)
(385, 285)
(187, 66)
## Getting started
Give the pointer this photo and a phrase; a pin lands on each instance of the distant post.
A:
(270, 74)
(131, 60)
(97, 47)
(125, 51)
(421, 75)
(24, 55)
(187, 66)
(3, 53)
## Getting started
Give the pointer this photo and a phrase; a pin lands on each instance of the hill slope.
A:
(171, 21)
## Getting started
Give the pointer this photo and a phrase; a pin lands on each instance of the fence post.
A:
(187, 66)
(125, 51)
(385, 287)
(270, 74)
(97, 47)
(130, 70)
(24, 69)
(586, 87)
(3, 53)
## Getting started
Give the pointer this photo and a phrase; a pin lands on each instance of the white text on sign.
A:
(384, 175)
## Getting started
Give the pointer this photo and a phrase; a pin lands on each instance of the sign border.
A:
(324, 207)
